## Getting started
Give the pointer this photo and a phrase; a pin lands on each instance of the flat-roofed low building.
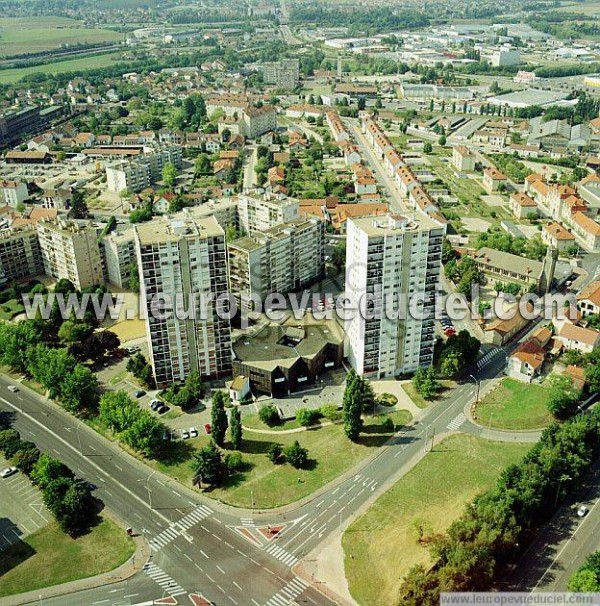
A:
(286, 358)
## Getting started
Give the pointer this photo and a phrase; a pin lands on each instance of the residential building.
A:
(283, 259)
(13, 193)
(556, 236)
(506, 57)
(259, 120)
(522, 205)
(587, 231)
(526, 362)
(588, 300)
(284, 74)
(118, 252)
(493, 180)
(16, 123)
(185, 258)
(463, 159)
(577, 337)
(20, 254)
(70, 251)
(259, 213)
(387, 257)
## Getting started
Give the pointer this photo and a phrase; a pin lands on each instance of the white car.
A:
(9, 471)
(13, 388)
(582, 511)
(193, 432)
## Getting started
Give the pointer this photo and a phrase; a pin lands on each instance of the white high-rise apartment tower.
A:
(186, 258)
(391, 258)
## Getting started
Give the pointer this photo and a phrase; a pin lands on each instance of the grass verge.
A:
(419, 400)
(51, 557)
(515, 405)
(434, 492)
(267, 485)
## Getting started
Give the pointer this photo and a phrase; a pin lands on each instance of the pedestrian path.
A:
(165, 582)
(171, 533)
(290, 592)
(457, 422)
(281, 554)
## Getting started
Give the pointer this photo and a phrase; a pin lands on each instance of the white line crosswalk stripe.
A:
(247, 522)
(282, 555)
(287, 593)
(163, 580)
(456, 422)
(171, 533)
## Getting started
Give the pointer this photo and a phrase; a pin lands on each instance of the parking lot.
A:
(22, 510)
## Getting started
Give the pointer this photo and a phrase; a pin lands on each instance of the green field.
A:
(584, 8)
(50, 557)
(515, 405)
(36, 34)
(383, 543)
(272, 485)
(8, 76)
(10, 309)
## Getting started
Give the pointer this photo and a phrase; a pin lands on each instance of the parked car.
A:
(139, 393)
(185, 434)
(154, 404)
(193, 432)
(7, 472)
(13, 388)
(207, 428)
(582, 511)
(161, 409)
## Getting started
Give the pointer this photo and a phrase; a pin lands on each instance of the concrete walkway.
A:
(128, 569)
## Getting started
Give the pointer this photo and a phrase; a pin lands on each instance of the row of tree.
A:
(68, 498)
(496, 526)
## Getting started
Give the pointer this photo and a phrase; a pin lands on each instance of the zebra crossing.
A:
(171, 533)
(247, 521)
(290, 592)
(165, 582)
(487, 358)
(282, 555)
(456, 422)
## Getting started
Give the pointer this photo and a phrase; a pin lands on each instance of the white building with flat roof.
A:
(260, 212)
(185, 258)
(389, 259)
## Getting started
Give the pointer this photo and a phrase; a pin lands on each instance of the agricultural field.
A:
(38, 34)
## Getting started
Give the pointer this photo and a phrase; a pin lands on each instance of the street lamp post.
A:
(477, 383)
(147, 483)
(252, 499)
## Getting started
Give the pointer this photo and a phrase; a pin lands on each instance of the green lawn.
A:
(37, 34)
(383, 544)
(253, 421)
(50, 557)
(515, 405)
(272, 485)
(8, 76)
(10, 309)
(419, 400)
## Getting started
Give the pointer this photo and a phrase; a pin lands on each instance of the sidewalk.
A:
(123, 572)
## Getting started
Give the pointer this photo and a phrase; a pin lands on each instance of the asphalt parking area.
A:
(22, 510)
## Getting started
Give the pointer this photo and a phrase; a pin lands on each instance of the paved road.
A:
(249, 164)
(194, 548)
(200, 545)
(562, 545)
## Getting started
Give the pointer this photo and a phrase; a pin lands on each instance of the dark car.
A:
(139, 393)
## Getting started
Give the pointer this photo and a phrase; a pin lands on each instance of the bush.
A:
(307, 417)
(234, 461)
(387, 399)
(331, 412)
(275, 454)
(269, 415)
(296, 455)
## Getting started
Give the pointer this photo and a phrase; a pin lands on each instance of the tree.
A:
(144, 434)
(442, 140)
(209, 467)
(426, 383)
(79, 209)
(195, 386)
(78, 390)
(218, 418)
(352, 418)
(269, 415)
(296, 455)
(235, 428)
(47, 468)
(10, 441)
(73, 331)
(169, 174)
(427, 148)
(275, 453)
(26, 457)
(584, 581)
(70, 502)
(563, 397)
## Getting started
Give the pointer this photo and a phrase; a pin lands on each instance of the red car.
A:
(450, 331)
(207, 428)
